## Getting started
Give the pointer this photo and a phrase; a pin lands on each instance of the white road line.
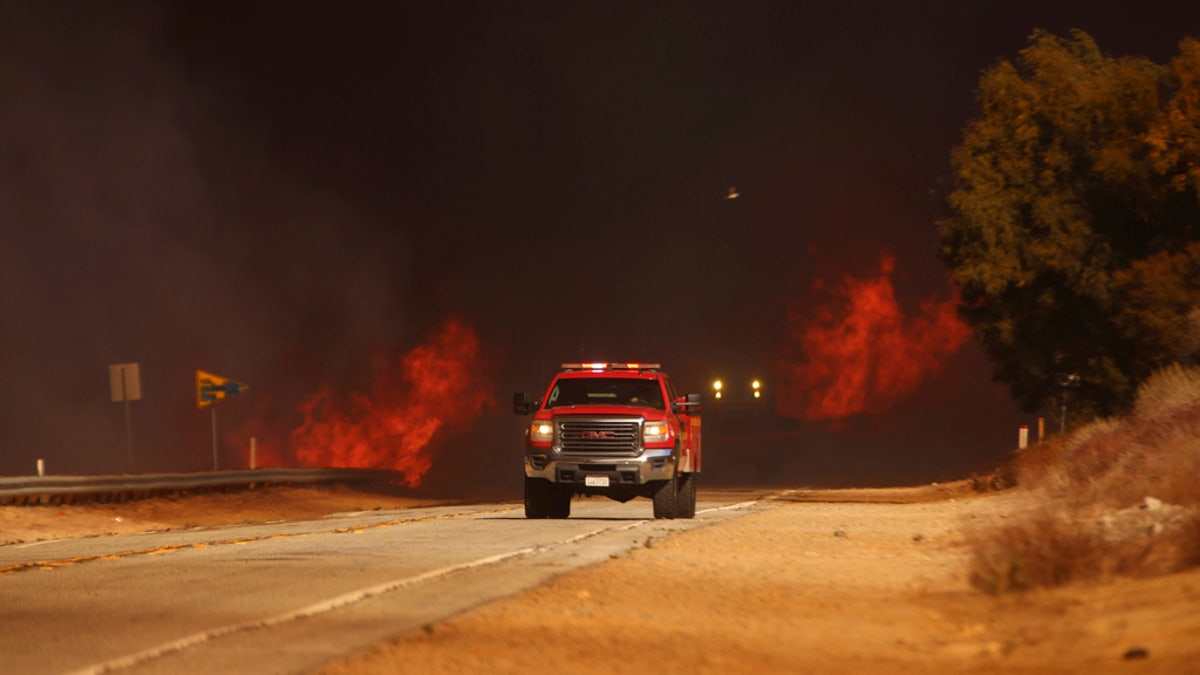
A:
(30, 544)
(325, 605)
(728, 507)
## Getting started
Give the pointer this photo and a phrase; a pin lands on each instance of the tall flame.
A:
(861, 354)
(435, 389)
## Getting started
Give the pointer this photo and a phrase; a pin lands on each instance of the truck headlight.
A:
(541, 431)
(655, 432)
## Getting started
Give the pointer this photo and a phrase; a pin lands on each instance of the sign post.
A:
(125, 385)
(211, 388)
(213, 409)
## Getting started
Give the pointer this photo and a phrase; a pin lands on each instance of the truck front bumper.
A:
(650, 465)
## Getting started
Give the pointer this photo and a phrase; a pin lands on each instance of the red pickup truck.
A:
(612, 429)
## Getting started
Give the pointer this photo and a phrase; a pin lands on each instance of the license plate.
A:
(595, 481)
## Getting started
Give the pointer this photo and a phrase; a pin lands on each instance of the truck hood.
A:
(637, 411)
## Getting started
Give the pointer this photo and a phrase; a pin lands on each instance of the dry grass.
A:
(1045, 549)
(1172, 390)
(1000, 478)
(1055, 546)
(1097, 481)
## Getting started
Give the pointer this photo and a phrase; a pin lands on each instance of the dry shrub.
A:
(1002, 477)
(1053, 548)
(1069, 467)
(1165, 464)
(1033, 464)
(1171, 543)
(1039, 550)
(1118, 462)
(1168, 391)
(1158, 457)
(1096, 449)
(1110, 465)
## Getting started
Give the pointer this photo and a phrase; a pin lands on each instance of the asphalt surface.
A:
(290, 597)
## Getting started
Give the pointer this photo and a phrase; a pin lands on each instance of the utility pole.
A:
(1066, 382)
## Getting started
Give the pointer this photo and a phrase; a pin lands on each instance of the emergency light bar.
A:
(611, 366)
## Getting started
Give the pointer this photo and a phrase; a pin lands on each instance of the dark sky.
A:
(282, 192)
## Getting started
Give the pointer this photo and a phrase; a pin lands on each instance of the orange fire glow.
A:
(434, 390)
(860, 354)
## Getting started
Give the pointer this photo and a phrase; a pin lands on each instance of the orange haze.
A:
(860, 354)
(432, 391)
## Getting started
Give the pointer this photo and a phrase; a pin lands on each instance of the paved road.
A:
(289, 597)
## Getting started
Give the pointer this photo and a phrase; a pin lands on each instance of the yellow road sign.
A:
(211, 388)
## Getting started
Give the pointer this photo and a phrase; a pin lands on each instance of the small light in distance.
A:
(757, 387)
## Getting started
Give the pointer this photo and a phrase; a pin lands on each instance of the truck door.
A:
(689, 434)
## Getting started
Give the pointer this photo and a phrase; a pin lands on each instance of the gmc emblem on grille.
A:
(595, 435)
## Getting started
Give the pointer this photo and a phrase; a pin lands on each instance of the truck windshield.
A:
(605, 391)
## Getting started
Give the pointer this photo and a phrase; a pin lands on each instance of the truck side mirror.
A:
(523, 403)
(692, 404)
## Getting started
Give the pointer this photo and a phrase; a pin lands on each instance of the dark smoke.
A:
(281, 192)
(140, 224)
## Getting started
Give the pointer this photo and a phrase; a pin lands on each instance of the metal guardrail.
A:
(35, 490)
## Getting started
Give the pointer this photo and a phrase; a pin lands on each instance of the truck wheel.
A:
(685, 501)
(538, 493)
(665, 498)
(560, 501)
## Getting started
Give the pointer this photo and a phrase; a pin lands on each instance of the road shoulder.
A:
(850, 585)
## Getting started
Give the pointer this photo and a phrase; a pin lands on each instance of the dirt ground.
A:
(277, 503)
(846, 581)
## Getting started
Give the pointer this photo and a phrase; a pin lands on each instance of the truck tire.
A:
(685, 500)
(560, 501)
(665, 498)
(538, 494)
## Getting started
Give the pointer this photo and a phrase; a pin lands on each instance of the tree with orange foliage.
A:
(1074, 217)
(1159, 307)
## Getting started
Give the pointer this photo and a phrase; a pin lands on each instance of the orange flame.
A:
(435, 389)
(861, 354)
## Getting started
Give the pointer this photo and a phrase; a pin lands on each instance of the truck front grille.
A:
(605, 436)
